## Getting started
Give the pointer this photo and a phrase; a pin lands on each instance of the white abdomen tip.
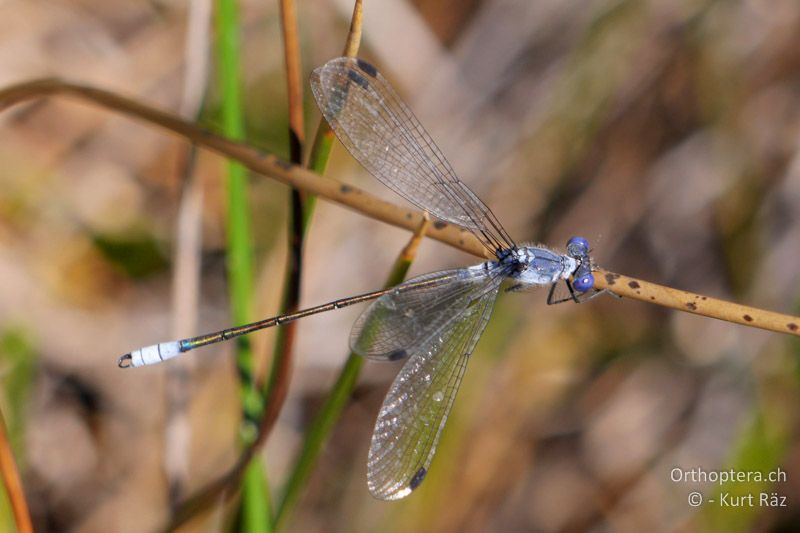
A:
(156, 353)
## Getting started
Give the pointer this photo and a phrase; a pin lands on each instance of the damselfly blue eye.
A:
(583, 281)
(577, 246)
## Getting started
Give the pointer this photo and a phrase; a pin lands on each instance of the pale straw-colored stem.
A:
(366, 204)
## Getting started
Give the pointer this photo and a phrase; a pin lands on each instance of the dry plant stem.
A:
(291, 52)
(696, 303)
(354, 34)
(280, 374)
(366, 204)
(324, 132)
(12, 482)
(252, 158)
(409, 252)
(323, 140)
(188, 244)
(185, 296)
(336, 191)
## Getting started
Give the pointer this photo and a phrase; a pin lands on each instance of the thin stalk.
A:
(255, 514)
(301, 209)
(255, 506)
(373, 207)
(280, 372)
(253, 158)
(318, 162)
(320, 429)
(12, 482)
(185, 296)
(323, 140)
(255, 495)
(697, 304)
(239, 244)
(187, 254)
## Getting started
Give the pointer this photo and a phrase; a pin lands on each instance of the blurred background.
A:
(667, 133)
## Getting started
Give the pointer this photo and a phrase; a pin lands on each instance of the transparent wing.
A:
(382, 133)
(415, 410)
(395, 325)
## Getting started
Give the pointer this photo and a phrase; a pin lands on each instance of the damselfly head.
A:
(578, 247)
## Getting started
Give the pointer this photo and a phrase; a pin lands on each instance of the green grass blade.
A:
(255, 512)
(330, 412)
(318, 161)
(255, 505)
(18, 359)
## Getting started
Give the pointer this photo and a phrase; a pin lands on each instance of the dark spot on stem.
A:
(461, 242)
(792, 326)
(611, 278)
(440, 224)
(346, 189)
(417, 479)
(703, 298)
(652, 297)
(633, 284)
(409, 216)
(691, 306)
(747, 318)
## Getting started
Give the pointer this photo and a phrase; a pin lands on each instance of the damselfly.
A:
(433, 321)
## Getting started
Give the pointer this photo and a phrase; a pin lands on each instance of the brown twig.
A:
(291, 53)
(354, 34)
(323, 140)
(249, 156)
(696, 303)
(280, 374)
(366, 204)
(12, 482)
